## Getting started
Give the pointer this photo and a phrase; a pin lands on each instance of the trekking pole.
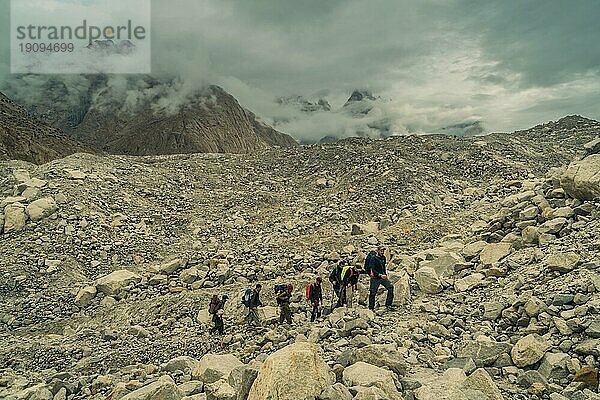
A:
(332, 299)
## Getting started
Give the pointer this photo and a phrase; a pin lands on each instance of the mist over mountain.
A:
(145, 115)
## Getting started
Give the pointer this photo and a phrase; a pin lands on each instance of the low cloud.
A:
(436, 63)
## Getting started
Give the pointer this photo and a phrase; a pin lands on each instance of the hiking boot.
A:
(391, 308)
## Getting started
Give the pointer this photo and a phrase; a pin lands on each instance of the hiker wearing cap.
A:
(216, 309)
(336, 281)
(284, 299)
(315, 296)
(253, 304)
(378, 274)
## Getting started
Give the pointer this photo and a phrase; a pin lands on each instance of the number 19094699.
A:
(46, 47)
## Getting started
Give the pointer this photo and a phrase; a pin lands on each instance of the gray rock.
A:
(242, 378)
(483, 352)
(563, 262)
(164, 389)
(381, 355)
(336, 392)
(554, 366)
(116, 281)
(428, 280)
(41, 208)
(14, 218)
(367, 375)
(529, 350)
(85, 296)
(582, 178)
(213, 367)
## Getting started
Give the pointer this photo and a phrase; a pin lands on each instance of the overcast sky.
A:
(511, 64)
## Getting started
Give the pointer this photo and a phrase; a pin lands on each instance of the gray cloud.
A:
(511, 64)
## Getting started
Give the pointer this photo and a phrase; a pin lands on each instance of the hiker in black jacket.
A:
(216, 309)
(252, 316)
(316, 298)
(284, 299)
(378, 275)
(336, 281)
(350, 275)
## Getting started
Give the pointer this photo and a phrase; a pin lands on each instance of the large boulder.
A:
(454, 385)
(555, 366)
(336, 392)
(116, 281)
(295, 372)
(401, 288)
(162, 389)
(563, 262)
(14, 217)
(241, 378)
(445, 264)
(483, 351)
(42, 208)
(428, 280)
(445, 387)
(367, 375)
(494, 252)
(213, 367)
(169, 267)
(552, 226)
(582, 178)
(181, 363)
(468, 282)
(369, 393)
(85, 296)
(473, 249)
(220, 390)
(481, 381)
(363, 229)
(381, 355)
(529, 350)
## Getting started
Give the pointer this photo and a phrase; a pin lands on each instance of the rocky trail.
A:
(108, 264)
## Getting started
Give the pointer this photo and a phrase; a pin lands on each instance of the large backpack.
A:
(281, 288)
(345, 272)
(214, 305)
(309, 287)
(368, 259)
(247, 297)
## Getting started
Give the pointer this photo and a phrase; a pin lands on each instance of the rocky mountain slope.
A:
(25, 138)
(143, 115)
(210, 122)
(108, 264)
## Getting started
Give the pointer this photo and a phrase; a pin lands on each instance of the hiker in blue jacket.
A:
(378, 276)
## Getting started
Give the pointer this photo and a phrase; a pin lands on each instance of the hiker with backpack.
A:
(284, 297)
(216, 310)
(335, 277)
(375, 266)
(350, 275)
(251, 300)
(314, 294)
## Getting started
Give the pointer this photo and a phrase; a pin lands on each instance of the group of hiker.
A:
(344, 279)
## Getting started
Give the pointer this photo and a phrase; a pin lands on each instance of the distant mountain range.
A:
(371, 117)
(142, 115)
(53, 117)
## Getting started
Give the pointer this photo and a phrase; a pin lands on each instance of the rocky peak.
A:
(143, 115)
(360, 95)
